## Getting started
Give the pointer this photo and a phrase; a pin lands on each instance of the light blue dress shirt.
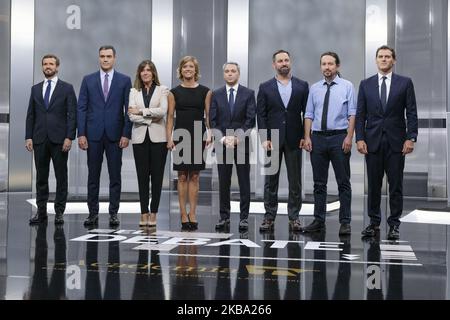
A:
(341, 106)
(285, 91)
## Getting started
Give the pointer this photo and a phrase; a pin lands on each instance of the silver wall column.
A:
(376, 35)
(237, 35)
(22, 50)
(162, 35)
(448, 106)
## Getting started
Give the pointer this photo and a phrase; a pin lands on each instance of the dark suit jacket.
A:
(95, 116)
(273, 115)
(372, 121)
(243, 118)
(59, 121)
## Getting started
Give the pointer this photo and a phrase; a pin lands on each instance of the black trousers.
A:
(150, 160)
(293, 159)
(243, 172)
(393, 163)
(328, 149)
(43, 153)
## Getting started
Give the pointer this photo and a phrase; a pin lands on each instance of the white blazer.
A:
(152, 118)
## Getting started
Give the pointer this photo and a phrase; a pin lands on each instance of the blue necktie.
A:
(383, 94)
(231, 101)
(47, 93)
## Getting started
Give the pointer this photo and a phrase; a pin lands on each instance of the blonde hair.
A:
(185, 60)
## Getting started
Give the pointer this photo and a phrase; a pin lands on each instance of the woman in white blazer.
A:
(147, 110)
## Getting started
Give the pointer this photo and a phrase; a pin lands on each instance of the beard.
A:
(284, 71)
(49, 73)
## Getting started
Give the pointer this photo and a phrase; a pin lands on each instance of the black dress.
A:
(189, 109)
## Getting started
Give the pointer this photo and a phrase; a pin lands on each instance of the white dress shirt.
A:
(110, 77)
(54, 80)
(388, 83)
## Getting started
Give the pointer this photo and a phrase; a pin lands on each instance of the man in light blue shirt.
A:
(330, 115)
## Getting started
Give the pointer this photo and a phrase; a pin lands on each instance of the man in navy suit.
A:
(281, 105)
(104, 127)
(232, 113)
(50, 129)
(385, 138)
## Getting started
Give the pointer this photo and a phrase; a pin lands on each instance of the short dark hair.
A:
(107, 47)
(278, 52)
(48, 56)
(332, 54)
(385, 47)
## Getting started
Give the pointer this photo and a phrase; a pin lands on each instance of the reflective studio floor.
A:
(71, 262)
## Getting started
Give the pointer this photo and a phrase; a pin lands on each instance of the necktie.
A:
(231, 101)
(47, 93)
(383, 94)
(325, 106)
(105, 87)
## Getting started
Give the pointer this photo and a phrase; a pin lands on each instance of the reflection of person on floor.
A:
(294, 251)
(394, 275)
(342, 286)
(374, 292)
(148, 284)
(187, 284)
(40, 288)
(271, 286)
(319, 289)
(112, 283)
(241, 290)
(223, 285)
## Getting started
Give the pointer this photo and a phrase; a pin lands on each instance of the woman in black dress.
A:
(190, 101)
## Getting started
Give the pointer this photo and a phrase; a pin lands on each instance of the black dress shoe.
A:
(59, 218)
(315, 226)
(295, 225)
(243, 225)
(91, 220)
(223, 224)
(394, 233)
(371, 230)
(345, 229)
(38, 218)
(113, 220)
(267, 225)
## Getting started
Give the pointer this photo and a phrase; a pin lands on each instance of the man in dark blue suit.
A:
(104, 127)
(384, 137)
(232, 114)
(281, 105)
(50, 129)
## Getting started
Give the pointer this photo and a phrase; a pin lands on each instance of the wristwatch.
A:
(413, 139)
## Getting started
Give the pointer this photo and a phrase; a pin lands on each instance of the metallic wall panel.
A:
(303, 29)
(421, 44)
(78, 29)
(162, 48)
(377, 34)
(190, 37)
(162, 33)
(237, 35)
(5, 14)
(4, 135)
(22, 47)
(5, 8)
